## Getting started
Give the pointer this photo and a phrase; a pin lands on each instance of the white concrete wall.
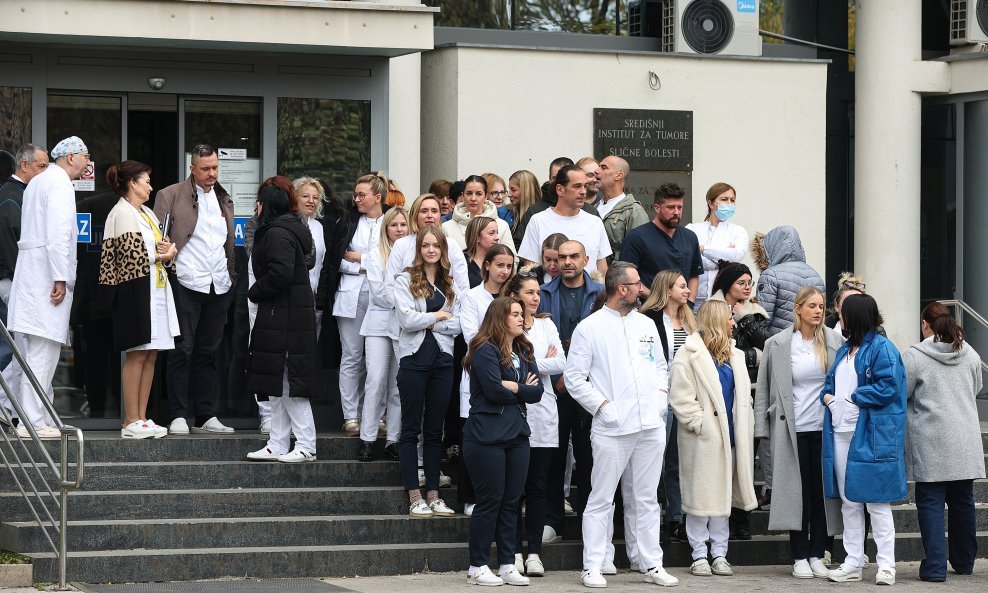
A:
(759, 125)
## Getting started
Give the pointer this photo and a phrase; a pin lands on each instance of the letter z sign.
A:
(84, 220)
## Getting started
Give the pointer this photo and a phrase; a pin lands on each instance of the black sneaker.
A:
(452, 452)
(742, 534)
(677, 532)
(365, 452)
(392, 450)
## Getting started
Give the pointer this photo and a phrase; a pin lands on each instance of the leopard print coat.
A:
(124, 283)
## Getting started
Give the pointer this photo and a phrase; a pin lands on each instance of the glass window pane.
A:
(15, 117)
(97, 121)
(324, 138)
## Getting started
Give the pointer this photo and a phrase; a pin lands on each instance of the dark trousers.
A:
(962, 545)
(6, 353)
(499, 487)
(538, 467)
(669, 492)
(453, 434)
(424, 396)
(811, 540)
(573, 419)
(464, 485)
(192, 374)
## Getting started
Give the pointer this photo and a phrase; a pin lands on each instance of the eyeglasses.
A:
(639, 283)
(528, 274)
(311, 196)
(358, 197)
(745, 283)
(499, 193)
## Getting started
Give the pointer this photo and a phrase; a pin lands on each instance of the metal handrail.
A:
(60, 471)
(967, 310)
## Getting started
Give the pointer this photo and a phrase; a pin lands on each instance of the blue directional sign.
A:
(239, 230)
(84, 220)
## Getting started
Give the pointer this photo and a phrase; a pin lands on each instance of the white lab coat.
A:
(726, 241)
(382, 300)
(46, 254)
(622, 358)
(403, 255)
(472, 310)
(543, 417)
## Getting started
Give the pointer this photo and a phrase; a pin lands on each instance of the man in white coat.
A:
(41, 294)
(620, 376)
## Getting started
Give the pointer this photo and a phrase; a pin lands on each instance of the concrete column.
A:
(405, 123)
(889, 76)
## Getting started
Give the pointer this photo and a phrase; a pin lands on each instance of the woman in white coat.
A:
(382, 408)
(474, 203)
(788, 410)
(543, 418)
(719, 238)
(711, 396)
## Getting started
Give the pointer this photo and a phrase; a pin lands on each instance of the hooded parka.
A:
(781, 257)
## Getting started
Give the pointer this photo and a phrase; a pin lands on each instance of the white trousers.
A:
(353, 373)
(882, 525)
(291, 415)
(381, 390)
(641, 454)
(630, 522)
(41, 355)
(715, 529)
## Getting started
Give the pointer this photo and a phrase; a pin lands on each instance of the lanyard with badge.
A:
(159, 267)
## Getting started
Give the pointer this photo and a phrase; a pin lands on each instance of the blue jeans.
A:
(962, 547)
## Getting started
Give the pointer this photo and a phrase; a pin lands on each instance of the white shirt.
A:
(622, 358)
(473, 307)
(844, 412)
(807, 382)
(352, 282)
(727, 241)
(202, 262)
(543, 417)
(605, 206)
(315, 227)
(585, 228)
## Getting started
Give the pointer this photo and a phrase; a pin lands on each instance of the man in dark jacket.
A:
(568, 299)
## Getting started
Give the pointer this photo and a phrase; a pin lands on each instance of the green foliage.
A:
(12, 558)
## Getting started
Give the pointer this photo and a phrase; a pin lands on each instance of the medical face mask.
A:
(724, 211)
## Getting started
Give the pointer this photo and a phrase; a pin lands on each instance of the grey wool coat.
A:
(943, 436)
(775, 419)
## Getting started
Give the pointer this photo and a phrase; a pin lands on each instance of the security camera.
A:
(156, 83)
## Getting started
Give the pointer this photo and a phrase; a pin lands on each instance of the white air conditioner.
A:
(728, 27)
(968, 22)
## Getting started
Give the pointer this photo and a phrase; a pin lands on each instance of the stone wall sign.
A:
(649, 139)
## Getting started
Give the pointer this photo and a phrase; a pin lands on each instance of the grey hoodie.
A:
(787, 272)
(943, 434)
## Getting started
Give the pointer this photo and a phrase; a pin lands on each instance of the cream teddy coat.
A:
(709, 486)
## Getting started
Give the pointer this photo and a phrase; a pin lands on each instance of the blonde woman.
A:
(381, 415)
(523, 191)
(711, 397)
(668, 306)
(787, 406)
(497, 189)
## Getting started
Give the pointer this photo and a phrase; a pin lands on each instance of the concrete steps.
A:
(193, 508)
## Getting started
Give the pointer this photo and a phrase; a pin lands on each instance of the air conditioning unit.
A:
(727, 27)
(968, 22)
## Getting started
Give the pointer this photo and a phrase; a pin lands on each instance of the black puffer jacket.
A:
(285, 330)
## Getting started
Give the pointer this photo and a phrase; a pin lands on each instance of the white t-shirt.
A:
(585, 228)
(843, 410)
(604, 207)
(807, 382)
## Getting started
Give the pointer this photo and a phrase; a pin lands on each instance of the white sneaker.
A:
(659, 576)
(178, 426)
(520, 563)
(264, 454)
(801, 569)
(534, 567)
(593, 579)
(885, 576)
(484, 577)
(160, 430)
(513, 577)
(444, 480)
(440, 509)
(214, 426)
(48, 432)
(844, 573)
(568, 508)
(819, 568)
(607, 567)
(468, 509)
(138, 429)
(721, 567)
(22, 432)
(700, 568)
(266, 426)
(297, 455)
(419, 509)
(549, 536)
(633, 567)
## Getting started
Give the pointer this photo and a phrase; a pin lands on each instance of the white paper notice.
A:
(244, 195)
(87, 182)
(235, 171)
(232, 154)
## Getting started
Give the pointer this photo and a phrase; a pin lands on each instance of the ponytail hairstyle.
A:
(378, 185)
(942, 323)
(712, 193)
(476, 225)
(120, 176)
(395, 197)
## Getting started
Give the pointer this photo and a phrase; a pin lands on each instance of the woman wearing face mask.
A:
(498, 267)
(474, 203)
(381, 403)
(543, 418)
(787, 408)
(720, 239)
(481, 236)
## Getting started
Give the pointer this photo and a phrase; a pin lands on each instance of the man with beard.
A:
(615, 370)
(662, 244)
